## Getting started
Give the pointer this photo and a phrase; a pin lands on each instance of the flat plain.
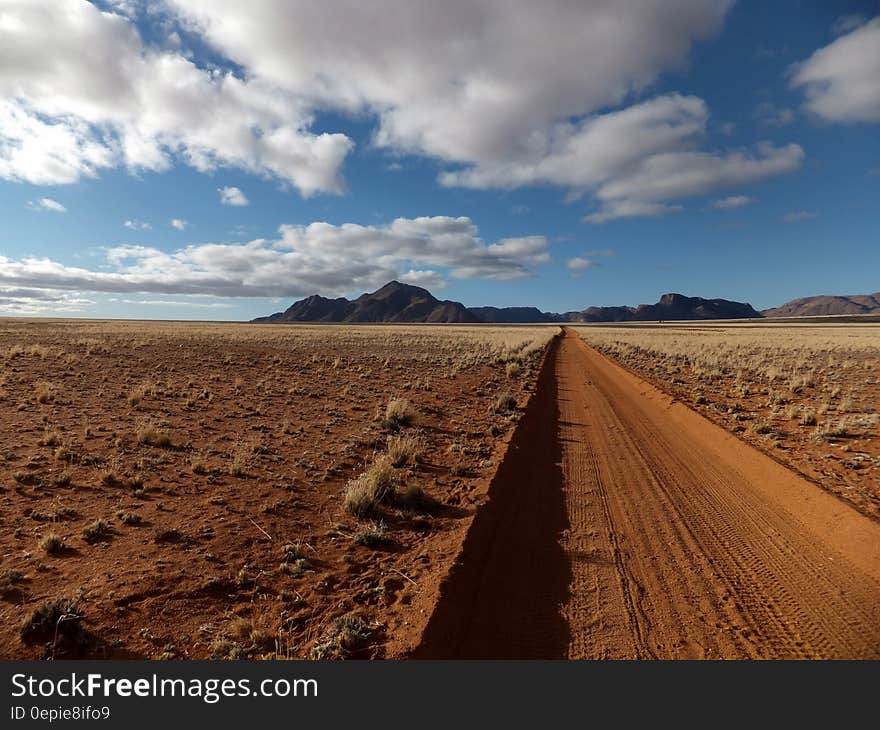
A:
(191, 490)
(179, 489)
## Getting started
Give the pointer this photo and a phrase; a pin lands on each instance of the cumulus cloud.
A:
(46, 204)
(500, 98)
(82, 92)
(478, 86)
(29, 301)
(179, 224)
(136, 225)
(319, 257)
(630, 209)
(579, 263)
(465, 81)
(798, 215)
(634, 158)
(233, 196)
(842, 80)
(734, 201)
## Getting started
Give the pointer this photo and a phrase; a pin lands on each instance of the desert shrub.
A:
(512, 369)
(808, 417)
(504, 403)
(378, 481)
(295, 567)
(44, 393)
(59, 618)
(404, 449)
(152, 435)
(346, 635)
(761, 427)
(136, 396)
(129, 518)
(9, 582)
(839, 429)
(52, 544)
(293, 551)
(371, 534)
(97, 530)
(399, 412)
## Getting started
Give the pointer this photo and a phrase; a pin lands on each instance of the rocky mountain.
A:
(511, 315)
(396, 302)
(827, 305)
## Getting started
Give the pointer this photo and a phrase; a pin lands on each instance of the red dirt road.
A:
(624, 525)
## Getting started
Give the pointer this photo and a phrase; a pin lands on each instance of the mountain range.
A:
(396, 302)
(827, 305)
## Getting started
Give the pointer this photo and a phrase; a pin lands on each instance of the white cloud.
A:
(172, 303)
(81, 92)
(798, 216)
(18, 301)
(320, 257)
(46, 204)
(504, 98)
(734, 201)
(136, 225)
(634, 158)
(679, 174)
(630, 209)
(842, 80)
(179, 224)
(233, 196)
(476, 85)
(578, 263)
(463, 81)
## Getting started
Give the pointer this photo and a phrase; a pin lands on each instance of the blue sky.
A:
(550, 156)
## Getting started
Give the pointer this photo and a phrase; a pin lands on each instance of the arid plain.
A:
(184, 490)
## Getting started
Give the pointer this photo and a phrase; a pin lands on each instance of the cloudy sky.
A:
(215, 159)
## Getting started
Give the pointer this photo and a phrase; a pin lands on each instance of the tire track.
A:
(623, 525)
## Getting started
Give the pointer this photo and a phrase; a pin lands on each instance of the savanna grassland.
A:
(183, 490)
(807, 394)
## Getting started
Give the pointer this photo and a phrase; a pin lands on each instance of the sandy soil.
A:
(230, 539)
(624, 525)
(785, 389)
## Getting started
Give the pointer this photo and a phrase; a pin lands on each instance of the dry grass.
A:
(97, 531)
(405, 449)
(152, 434)
(44, 393)
(399, 412)
(214, 392)
(52, 544)
(378, 482)
(58, 618)
(504, 403)
(372, 534)
(346, 635)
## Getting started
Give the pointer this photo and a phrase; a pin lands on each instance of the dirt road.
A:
(624, 525)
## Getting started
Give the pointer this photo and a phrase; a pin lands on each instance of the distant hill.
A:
(670, 307)
(511, 315)
(827, 305)
(396, 302)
